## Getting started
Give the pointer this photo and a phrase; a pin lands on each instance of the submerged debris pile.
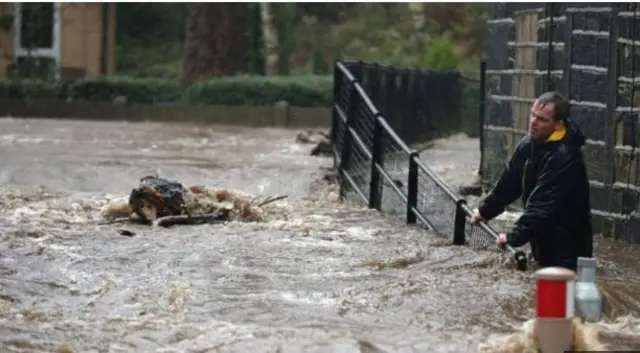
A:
(321, 139)
(161, 202)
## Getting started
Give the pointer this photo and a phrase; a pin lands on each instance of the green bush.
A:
(146, 90)
(303, 91)
(441, 55)
(32, 89)
(242, 90)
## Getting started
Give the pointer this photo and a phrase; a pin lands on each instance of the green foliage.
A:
(441, 55)
(33, 89)
(319, 65)
(286, 23)
(254, 43)
(374, 34)
(96, 89)
(300, 91)
(241, 90)
(147, 90)
(150, 36)
(150, 39)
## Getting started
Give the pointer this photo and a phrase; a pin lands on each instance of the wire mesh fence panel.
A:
(358, 167)
(359, 173)
(375, 156)
(435, 203)
(363, 124)
(396, 164)
(342, 91)
(477, 238)
(418, 105)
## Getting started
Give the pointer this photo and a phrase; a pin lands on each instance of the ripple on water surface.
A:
(315, 276)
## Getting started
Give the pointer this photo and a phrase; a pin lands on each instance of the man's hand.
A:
(501, 240)
(476, 218)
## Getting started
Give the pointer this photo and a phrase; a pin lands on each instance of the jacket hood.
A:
(574, 135)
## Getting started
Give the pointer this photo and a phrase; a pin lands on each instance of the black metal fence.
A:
(591, 53)
(375, 163)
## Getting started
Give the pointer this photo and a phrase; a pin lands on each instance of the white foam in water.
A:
(360, 232)
(66, 250)
(313, 243)
(315, 298)
(24, 213)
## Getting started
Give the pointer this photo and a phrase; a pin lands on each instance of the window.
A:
(36, 25)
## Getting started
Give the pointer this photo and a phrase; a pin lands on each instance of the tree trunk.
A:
(270, 38)
(214, 43)
(419, 22)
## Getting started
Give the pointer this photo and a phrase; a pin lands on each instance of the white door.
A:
(36, 35)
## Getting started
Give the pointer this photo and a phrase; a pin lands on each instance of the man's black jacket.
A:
(552, 179)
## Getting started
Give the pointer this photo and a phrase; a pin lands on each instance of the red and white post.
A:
(555, 309)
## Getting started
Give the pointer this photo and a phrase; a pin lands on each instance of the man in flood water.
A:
(548, 171)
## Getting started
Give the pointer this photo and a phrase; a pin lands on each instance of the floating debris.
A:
(164, 203)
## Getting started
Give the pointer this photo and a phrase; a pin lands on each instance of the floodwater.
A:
(316, 276)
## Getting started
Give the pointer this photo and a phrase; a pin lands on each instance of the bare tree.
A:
(270, 37)
(419, 21)
(214, 43)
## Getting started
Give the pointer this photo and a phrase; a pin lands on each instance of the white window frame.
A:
(54, 52)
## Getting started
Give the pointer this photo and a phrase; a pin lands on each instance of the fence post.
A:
(375, 191)
(481, 112)
(347, 139)
(335, 119)
(412, 188)
(404, 103)
(374, 84)
(390, 95)
(459, 222)
(357, 70)
(413, 126)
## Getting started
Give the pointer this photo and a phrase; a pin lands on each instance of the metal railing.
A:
(378, 167)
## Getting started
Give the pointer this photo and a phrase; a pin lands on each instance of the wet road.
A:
(316, 276)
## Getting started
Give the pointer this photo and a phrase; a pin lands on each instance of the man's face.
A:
(541, 122)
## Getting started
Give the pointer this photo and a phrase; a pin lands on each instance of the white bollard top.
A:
(555, 274)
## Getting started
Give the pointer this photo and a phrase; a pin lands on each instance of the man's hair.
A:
(560, 104)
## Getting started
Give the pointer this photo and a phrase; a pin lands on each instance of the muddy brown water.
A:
(316, 276)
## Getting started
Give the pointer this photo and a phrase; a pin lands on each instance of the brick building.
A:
(68, 40)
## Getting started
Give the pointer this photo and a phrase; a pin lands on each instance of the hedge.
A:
(303, 91)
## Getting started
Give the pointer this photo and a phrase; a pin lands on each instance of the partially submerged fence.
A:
(591, 53)
(374, 160)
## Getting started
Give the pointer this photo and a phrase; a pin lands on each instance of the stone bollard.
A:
(588, 297)
(555, 300)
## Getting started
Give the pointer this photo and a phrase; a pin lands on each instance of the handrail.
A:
(394, 136)
(519, 256)
(343, 120)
